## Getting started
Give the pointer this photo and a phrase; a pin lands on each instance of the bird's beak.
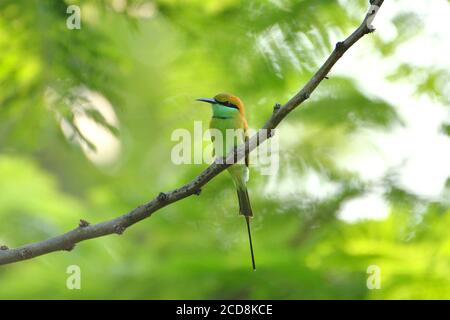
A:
(208, 100)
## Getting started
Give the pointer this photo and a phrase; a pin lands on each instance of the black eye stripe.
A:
(227, 104)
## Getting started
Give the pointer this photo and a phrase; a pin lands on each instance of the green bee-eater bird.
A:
(229, 115)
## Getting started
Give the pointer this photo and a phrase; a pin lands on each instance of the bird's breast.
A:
(225, 134)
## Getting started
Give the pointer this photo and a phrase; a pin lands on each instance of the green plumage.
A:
(230, 126)
(230, 119)
(228, 130)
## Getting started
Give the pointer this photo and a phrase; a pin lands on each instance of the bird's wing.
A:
(213, 150)
(245, 125)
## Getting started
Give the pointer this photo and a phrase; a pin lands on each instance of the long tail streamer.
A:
(247, 219)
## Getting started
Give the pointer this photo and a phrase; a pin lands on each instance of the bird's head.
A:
(225, 101)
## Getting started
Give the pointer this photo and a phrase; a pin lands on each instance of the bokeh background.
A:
(86, 118)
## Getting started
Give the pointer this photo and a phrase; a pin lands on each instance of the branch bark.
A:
(85, 231)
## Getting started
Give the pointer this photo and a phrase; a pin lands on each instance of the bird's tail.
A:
(244, 202)
(247, 219)
(246, 210)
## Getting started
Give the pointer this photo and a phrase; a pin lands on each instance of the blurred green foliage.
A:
(150, 59)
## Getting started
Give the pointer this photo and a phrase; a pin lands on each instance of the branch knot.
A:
(70, 247)
(276, 107)
(83, 223)
(119, 229)
(340, 46)
(25, 253)
(162, 197)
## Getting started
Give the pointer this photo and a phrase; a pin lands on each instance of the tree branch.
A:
(85, 231)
